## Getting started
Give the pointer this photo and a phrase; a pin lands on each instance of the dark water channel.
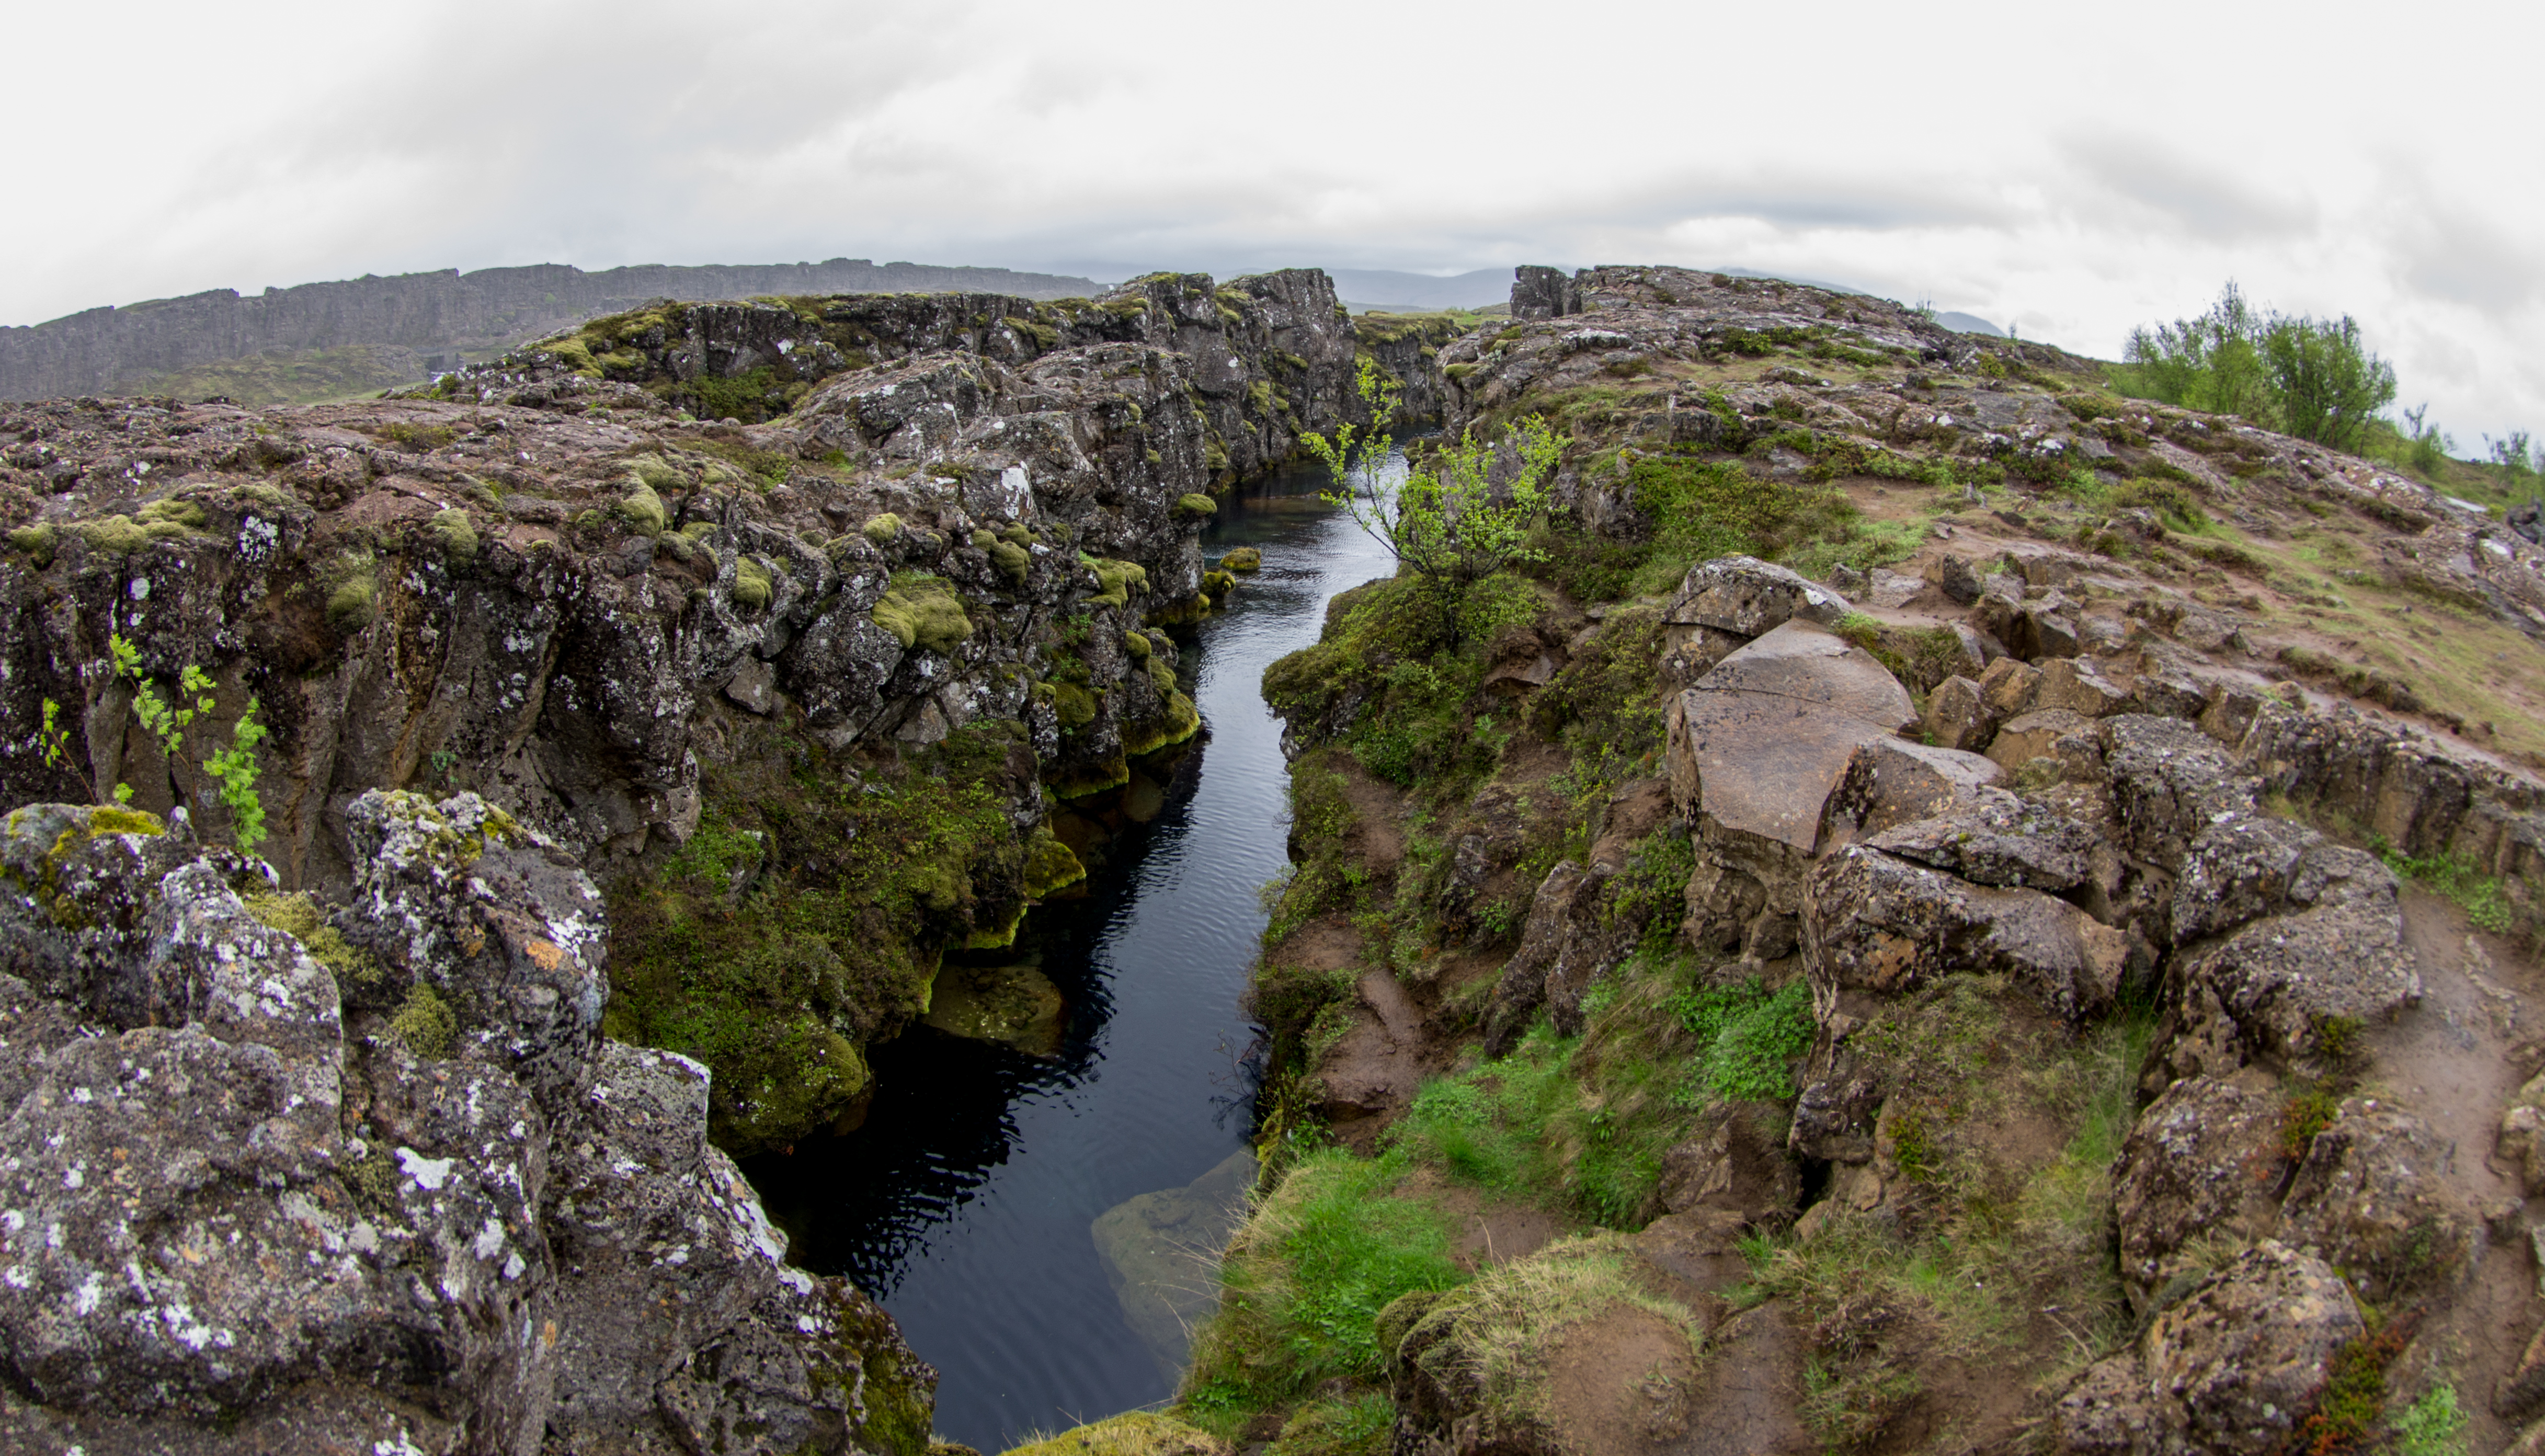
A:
(968, 1200)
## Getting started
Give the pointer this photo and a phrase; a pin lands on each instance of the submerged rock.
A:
(1161, 1253)
(1015, 1005)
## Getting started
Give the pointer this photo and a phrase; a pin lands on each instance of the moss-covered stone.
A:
(1050, 864)
(1137, 645)
(1073, 704)
(1194, 503)
(123, 535)
(36, 542)
(1115, 581)
(881, 528)
(426, 1024)
(753, 585)
(355, 597)
(457, 536)
(1242, 558)
(1181, 720)
(921, 611)
(854, 894)
(642, 508)
(299, 915)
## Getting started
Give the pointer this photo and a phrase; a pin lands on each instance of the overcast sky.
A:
(2066, 171)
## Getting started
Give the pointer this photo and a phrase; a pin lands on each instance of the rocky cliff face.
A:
(794, 693)
(1267, 357)
(446, 315)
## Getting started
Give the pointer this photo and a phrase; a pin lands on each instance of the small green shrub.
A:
(1751, 1039)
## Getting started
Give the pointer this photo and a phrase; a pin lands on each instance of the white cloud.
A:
(2068, 173)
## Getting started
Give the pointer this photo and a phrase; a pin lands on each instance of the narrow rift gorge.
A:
(1040, 1226)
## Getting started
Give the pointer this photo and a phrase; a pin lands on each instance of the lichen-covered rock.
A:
(503, 925)
(2204, 1158)
(2234, 1367)
(2276, 984)
(2373, 1197)
(226, 1185)
(1993, 837)
(1749, 597)
(1877, 923)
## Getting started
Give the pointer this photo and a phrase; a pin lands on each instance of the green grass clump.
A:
(1493, 1337)
(1131, 1434)
(1304, 1283)
(1355, 1426)
(1749, 1039)
(2459, 878)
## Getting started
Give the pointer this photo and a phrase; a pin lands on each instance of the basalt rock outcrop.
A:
(846, 653)
(377, 1179)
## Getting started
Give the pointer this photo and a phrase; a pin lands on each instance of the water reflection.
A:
(967, 1197)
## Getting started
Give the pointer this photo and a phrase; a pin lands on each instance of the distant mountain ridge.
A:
(444, 316)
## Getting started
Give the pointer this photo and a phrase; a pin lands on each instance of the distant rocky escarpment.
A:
(442, 318)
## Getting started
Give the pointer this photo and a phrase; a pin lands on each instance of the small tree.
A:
(2327, 383)
(234, 769)
(2431, 444)
(1450, 521)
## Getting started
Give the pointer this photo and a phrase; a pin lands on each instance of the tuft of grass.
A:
(1492, 1336)
(2459, 880)
(1304, 1280)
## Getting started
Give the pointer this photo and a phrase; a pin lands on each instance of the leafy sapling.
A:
(1448, 521)
(234, 769)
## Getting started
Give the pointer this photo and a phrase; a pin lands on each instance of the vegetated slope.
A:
(292, 342)
(797, 694)
(2108, 829)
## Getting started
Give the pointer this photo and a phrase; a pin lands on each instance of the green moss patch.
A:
(426, 1024)
(805, 918)
(921, 611)
(299, 915)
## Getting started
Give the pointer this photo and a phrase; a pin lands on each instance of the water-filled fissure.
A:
(1040, 1224)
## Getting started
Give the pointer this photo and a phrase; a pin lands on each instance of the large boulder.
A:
(2204, 1158)
(2375, 1196)
(1749, 597)
(1760, 742)
(2284, 985)
(2234, 1367)
(1878, 922)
